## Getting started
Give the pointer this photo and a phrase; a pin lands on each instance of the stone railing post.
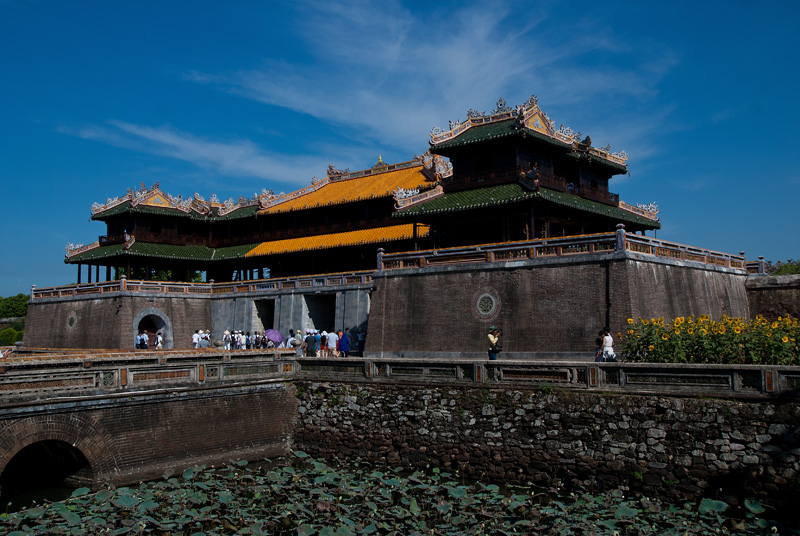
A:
(33, 290)
(123, 283)
(380, 259)
(620, 237)
(761, 267)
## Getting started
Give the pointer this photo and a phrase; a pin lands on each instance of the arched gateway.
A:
(155, 321)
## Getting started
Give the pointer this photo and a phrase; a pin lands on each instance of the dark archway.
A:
(154, 321)
(44, 470)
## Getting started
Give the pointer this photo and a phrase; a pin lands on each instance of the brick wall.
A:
(145, 437)
(551, 306)
(774, 296)
(108, 322)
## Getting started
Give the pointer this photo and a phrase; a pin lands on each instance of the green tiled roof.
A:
(162, 251)
(508, 128)
(494, 131)
(126, 207)
(505, 194)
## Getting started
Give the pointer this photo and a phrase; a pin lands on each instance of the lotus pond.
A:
(304, 496)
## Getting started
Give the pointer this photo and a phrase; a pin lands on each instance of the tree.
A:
(14, 306)
(8, 336)
(787, 268)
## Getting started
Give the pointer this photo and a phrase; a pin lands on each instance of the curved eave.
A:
(361, 237)
(579, 155)
(244, 212)
(506, 194)
(161, 251)
(495, 131)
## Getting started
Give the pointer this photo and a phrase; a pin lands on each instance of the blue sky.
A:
(230, 98)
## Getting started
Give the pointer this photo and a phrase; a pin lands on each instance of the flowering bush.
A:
(702, 340)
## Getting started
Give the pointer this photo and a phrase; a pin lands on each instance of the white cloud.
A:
(237, 158)
(379, 71)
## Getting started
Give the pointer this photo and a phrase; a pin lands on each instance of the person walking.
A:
(608, 346)
(344, 343)
(494, 343)
(144, 341)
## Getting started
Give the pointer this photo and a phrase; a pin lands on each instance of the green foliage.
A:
(702, 340)
(307, 496)
(789, 267)
(14, 306)
(9, 336)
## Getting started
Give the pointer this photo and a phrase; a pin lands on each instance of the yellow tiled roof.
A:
(348, 190)
(335, 240)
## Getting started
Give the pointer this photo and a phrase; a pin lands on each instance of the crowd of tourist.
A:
(314, 343)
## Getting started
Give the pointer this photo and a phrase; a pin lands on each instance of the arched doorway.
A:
(155, 321)
(48, 469)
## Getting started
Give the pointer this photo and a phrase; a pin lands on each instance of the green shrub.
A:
(8, 336)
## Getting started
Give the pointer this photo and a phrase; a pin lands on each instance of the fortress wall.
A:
(662, 288)
(552, 306)
(774, 296)
(109, 321)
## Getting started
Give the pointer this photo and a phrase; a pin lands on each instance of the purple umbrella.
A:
(274, 335)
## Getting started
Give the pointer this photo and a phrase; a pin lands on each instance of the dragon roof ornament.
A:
(154, 197)
(528, 115)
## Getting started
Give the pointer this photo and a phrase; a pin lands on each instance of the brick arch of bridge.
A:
(83, 432)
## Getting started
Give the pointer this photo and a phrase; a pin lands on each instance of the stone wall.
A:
(661, 446)
(110, 320)
(551, 306)
(774, 296)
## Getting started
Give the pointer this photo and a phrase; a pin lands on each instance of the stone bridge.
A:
(121, 418)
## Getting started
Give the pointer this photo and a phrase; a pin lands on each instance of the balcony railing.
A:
(560, 247)
(198, 289)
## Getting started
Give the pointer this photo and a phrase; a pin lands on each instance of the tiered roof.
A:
(526, 119)
(505, 194)
(339, 187)
(345, 187)
(334, 240)
(154, 201)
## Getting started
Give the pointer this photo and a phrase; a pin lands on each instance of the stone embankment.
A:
(663, 446)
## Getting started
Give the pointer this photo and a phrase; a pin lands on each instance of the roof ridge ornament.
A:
(333, 172)
(526, 115)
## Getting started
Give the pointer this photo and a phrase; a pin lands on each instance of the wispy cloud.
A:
(384, 76)
(236, 158)
(386, 73)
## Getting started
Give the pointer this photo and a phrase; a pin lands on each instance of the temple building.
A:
(505, 176)
(505, 220)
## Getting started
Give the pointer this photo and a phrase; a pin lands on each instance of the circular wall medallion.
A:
(487, 304)
(72, 319)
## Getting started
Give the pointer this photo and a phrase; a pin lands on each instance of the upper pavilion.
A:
(504, 176)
